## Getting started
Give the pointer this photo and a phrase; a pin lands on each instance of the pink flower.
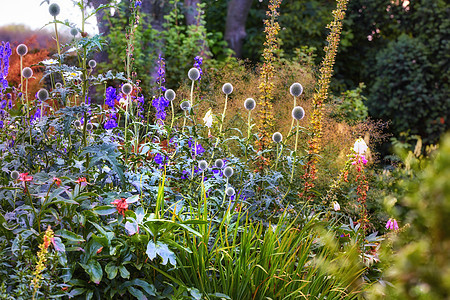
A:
(392, 224)
(81, 181)
(336, 206)
(359, 159)
(25, 177)
(121, 205)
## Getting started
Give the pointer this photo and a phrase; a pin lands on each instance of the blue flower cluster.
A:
(5, 53)
(111, 123)
(137, 3)
(198, 64)
(110, 96)
(160, 103)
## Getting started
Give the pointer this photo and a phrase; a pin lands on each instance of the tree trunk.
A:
(191, 12)
(235, 25)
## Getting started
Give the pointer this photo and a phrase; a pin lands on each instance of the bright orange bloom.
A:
(122, 205)
(82, 181)
(57, 181)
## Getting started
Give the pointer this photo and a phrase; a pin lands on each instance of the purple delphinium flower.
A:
(137, 4)
(5, 53)
(110, 96)
(200, 149)
(140, 103)
(198, 64)
(159, 159)
(111, 123)
(160, 103)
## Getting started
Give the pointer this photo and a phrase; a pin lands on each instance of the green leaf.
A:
(70, 236)
(104, 210)
(124, 272)
(219, 295)
(137, 293)
(94, 269)
(111, 270)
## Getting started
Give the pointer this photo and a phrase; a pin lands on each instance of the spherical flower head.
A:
(14, 175)
(208, 119)
(54, 9)
(298, 113)
(202, 165)
(249, 104)
(89, 126)
(227, 88)
(230, 191)
(74, 31)
(77, 123)
(185, 105)
(169, 95)
(58, 85)
(218, 163)
(277, 137)
(296, 89)
(92, 63)
(22, 49)
(42, 94)
(27, 72)
(127, 88)
(336, 206)
(360, 146)
(392, 224)
(194, 74)
(228, 172)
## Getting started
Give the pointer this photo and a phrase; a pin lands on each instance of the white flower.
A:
(208, 119)
(50, 62)
(336, 206)
(72, 75)
(360, 147)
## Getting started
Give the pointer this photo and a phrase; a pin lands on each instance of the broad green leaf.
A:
(124, 272)
(111, 270)
(70, 236)
(94, 269)
(104, 210)
(137, 293)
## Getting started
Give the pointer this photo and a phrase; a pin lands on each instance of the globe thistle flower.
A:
(92, 63)
(127, 88)
(218, 163)
(298, 113)
(27, 72)
(77, 123)
(169, 95)
(74, 31)
(230, 191)
(58, 85)
(296, 89)
(54, 9)
(89, 126)
(42, 94)
(277, 137)
(202, 165)
(14, 175)
(227, 88)
(249, 104)
(22, 49)
(185, 105)
(194, 74)
(228, 172)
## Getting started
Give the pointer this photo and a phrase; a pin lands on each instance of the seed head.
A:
(218, 163)
(227, 88)
(298, 113)
(22, 49)
(185, 105)
(74, 32)
(202, 165)
(127, 88)
(230, 191)
(228, 172)
(14, 175)
(92, 63)
(169, 95)
(89, 126)
(296, 89)
(194, 74)
(249, 104)
(58, 85)
(54, 9)
(277, 137)
(27, 72)
(77, 123)
(42, 94)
